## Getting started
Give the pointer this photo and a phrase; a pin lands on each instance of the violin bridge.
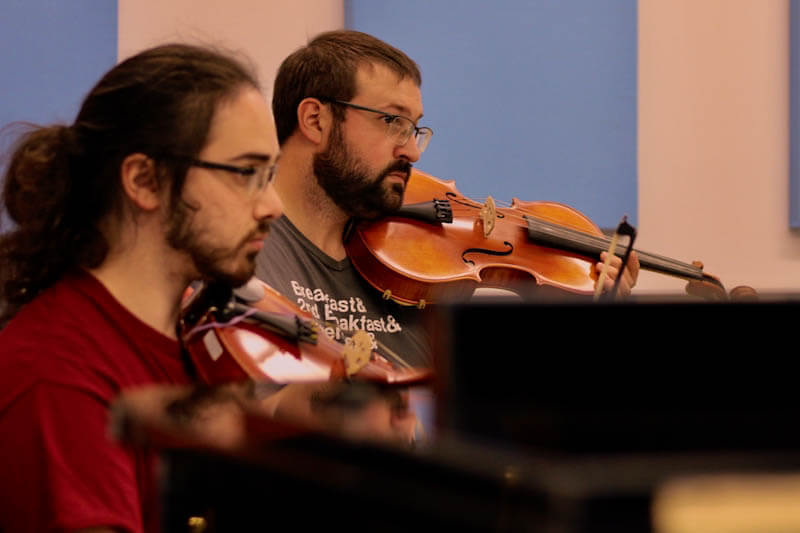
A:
(357, 352)
(488, 216)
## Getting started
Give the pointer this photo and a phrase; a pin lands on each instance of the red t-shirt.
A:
(63, 360)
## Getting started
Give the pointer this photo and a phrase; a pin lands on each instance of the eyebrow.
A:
(404, 111)
(249, 156)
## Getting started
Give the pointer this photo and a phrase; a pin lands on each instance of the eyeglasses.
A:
(254, 179)
(398, 127)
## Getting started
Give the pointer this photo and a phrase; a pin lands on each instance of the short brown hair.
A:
(326, 68)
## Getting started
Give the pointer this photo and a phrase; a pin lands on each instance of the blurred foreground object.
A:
(743, 503)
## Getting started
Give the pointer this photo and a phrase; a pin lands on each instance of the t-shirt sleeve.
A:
(55, 442)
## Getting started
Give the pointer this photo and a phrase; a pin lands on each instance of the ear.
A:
(138, 175)
(314, 120)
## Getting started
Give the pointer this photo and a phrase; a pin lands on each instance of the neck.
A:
(138, 272)
(307, 205)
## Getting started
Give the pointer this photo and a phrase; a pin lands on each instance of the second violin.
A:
(256, 333)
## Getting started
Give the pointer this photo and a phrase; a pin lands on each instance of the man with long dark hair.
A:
(162, 179)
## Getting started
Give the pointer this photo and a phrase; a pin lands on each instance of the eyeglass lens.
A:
(263, 177)
(402, 129)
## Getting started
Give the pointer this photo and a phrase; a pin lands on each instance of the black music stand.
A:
(618, 398)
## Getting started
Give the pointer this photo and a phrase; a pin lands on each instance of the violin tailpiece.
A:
(357, 352)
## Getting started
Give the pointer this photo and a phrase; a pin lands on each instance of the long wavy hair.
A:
(62, 181)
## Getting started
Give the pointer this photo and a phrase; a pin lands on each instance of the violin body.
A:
(422, 261)
(416, 260)
(270, 339)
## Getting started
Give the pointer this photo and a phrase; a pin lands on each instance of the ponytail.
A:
(51, 234)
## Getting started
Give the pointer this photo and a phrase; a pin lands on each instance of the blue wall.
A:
(54, 51)
(534, 99)
(794, 169)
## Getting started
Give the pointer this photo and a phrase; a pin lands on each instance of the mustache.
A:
(398, 166)
(263, 228)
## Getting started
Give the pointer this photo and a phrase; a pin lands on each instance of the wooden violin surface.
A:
(441, 244)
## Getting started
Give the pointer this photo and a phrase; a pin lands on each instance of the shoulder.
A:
(74, 334)
(67, 317)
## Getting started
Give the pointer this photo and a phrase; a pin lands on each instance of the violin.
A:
(256, 333)
(441, 244)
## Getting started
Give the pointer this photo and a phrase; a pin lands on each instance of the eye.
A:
(245, 176)
(391, 119)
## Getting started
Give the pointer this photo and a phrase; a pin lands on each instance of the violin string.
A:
(392, 354)
(667, 264)
(521, 219)
(384, 349)
(210, 325)
(553, 228)
(572, 235)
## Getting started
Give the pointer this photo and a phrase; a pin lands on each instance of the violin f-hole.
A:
(486, 251)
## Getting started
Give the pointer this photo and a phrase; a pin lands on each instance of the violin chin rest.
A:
(252, 291)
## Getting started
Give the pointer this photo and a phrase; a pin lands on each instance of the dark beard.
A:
(181, 236)
(349, 185)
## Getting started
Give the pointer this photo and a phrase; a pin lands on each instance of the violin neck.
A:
(578, 242)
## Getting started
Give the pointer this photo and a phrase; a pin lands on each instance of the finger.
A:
(614, 264)
(615, 261)
(629, 277)
(611, 272)
(633, 267)
(624, 289)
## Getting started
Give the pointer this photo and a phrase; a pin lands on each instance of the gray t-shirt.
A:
(335, 294)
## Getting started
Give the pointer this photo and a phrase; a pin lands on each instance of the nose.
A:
(268, 204)
(409, 150)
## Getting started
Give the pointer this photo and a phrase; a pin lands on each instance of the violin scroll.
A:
(713, 290)
(707, 289)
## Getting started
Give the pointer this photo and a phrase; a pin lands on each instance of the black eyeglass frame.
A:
(393, 116)
(243, 171)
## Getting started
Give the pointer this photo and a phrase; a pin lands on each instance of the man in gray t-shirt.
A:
(340, 162)
(347, 107)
